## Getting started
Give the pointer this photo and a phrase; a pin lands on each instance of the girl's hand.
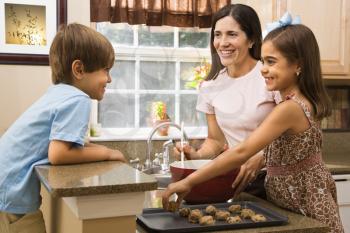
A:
(189, 151)
(247, 173)
(116, 155)
(181, 188)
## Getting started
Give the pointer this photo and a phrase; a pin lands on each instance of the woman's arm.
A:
(212, 146)
(215, 142)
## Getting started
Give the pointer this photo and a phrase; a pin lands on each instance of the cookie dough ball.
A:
(194, 216)
(172, 206)
(211, 210)
(247, 213)
(234, 219)
(222, 215)
(184, 212)
(207, 220)
(259, 218)
(235, 208)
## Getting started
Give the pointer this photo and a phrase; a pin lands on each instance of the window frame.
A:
(142, 53)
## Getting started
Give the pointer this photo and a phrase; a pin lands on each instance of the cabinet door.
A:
(329, 20)
(343, 190)
(266, 9)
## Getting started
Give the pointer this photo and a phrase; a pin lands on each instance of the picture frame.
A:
(27, 28)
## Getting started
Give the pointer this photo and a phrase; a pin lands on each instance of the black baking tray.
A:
(158, 220)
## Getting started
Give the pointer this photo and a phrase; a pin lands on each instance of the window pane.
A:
(156, 36)
(146, 103)
(117, 33)
(186, 74)
(123, 75)
(188, 112)
(157, 75)
(117, 111)
(197, 38)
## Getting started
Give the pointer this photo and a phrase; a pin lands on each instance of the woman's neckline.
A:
(252, 67)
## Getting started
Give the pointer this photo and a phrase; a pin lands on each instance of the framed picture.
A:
(27, 28)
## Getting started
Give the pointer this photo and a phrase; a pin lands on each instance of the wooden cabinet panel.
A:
(266, 9)
(329, 20)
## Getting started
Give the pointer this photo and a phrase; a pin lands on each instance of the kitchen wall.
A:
(21, 85)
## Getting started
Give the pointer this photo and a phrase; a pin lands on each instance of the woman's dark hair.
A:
(297, 43)
(249, 22)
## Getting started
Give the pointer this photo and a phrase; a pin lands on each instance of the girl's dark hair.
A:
(298, 45)
(249, 22)
(78, 42)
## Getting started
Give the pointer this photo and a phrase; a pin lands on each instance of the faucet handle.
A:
(170, 142)
(133, 161)
(156, 161)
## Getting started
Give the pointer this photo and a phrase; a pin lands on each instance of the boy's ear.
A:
(77, 69)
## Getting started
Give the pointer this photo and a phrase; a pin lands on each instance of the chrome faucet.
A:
(148, 163)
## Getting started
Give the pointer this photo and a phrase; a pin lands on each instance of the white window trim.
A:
(152, 54)
(141, 134)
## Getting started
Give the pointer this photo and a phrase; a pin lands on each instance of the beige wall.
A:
(21, 85)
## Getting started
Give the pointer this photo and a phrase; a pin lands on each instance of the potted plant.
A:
(159, 115)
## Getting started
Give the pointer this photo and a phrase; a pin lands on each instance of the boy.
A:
(52, 130)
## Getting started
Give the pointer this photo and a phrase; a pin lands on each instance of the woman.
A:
(234, 95)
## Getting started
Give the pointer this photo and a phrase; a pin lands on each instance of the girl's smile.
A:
(279, 73)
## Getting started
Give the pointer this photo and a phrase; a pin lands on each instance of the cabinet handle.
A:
(340, 180)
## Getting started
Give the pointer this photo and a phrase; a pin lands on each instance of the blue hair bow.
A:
(285, 20)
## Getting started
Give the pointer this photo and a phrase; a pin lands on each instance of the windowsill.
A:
(131, 134)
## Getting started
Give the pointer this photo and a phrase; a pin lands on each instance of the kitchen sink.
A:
(163, 177)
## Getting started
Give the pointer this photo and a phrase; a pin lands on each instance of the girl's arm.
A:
(287, 116)
(61, 152)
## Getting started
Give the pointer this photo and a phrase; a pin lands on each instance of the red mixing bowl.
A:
(218, 189)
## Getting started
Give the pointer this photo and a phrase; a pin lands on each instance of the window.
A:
(152, 64)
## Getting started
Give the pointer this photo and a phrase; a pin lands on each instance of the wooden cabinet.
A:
(328, 19)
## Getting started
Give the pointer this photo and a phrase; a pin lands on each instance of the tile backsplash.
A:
(138, 149)
(340, 117)
(336, 147)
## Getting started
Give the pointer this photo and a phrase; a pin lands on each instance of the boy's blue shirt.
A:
(62, 113)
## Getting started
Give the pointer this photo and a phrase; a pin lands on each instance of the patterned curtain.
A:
(178, 13)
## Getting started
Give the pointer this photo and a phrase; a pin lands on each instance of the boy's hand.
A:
(116, 155)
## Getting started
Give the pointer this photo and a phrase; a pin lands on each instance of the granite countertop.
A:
(95, 178)
(296, 223)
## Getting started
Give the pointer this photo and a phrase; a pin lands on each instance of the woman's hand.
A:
(248, 173)
(181, 188)
(189, 151)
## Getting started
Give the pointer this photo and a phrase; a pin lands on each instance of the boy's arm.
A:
(61, 152)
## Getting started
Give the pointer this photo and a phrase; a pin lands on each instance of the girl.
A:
(297, 178)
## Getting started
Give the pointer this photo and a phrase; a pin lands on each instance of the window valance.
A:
(178, 13)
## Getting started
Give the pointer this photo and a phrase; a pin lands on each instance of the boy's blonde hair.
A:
(78, 42)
